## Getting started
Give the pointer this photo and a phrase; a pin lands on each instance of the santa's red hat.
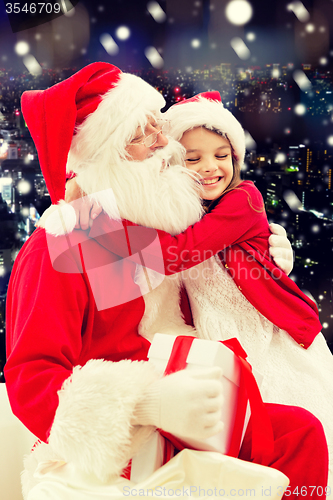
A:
(206, 110)
(99, 97)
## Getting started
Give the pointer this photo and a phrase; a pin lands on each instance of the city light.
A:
(6, 181)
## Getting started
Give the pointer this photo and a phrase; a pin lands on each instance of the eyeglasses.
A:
(162, 126)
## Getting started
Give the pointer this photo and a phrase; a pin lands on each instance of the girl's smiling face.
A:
(209, 154)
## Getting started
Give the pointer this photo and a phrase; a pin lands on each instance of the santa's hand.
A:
(280, 248)
(187, 403)
(85, 211)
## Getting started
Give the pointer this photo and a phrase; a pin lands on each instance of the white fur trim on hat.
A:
(210, 114)
(122, 109)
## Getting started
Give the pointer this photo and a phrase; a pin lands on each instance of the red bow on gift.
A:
(262, 432)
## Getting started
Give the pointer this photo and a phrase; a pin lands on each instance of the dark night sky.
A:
(280, 36)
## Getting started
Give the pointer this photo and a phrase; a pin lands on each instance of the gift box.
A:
(240, 390)
(169, 354)
(152, 455)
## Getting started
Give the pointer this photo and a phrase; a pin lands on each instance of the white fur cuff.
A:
(92, 426)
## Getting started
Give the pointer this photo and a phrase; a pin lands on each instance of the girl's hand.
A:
(87, 210)
(280, 248)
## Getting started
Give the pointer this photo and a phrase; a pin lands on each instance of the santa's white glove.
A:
(187, 403)
(280, 248)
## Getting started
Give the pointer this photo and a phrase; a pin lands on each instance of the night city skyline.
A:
(279, 85)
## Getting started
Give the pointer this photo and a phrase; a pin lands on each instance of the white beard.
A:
(153, 196)
(145, 192)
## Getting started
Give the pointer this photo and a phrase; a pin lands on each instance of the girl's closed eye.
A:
(192, 159)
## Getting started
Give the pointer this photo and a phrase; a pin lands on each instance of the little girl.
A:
(239, 292)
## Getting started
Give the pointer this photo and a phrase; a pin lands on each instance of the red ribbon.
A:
(262, 432)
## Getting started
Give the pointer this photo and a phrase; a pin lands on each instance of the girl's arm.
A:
(202, 238)
(238, 217)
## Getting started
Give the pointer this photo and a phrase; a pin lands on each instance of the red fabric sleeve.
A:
(238, 217)
(42, 348)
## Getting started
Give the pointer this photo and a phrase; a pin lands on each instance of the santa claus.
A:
(79, 318)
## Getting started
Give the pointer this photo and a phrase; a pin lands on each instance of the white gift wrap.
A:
(148, 459)
(207, 353)
(15, 442)
(190, 474)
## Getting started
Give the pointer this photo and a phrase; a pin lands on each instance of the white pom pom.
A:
(58, 219)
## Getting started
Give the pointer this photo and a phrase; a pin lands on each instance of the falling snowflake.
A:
(22, 48)
(300, 109)
(292, 200)
(32, 65)
(240, 48)
(280, 158)
(299, 10)
(250, 142)
(195, 43)
(156, 11)
(239, 12)
(302, 80)
(109, 44)
(123, 33)
(310, 28)
(251, 36)
(154, 57)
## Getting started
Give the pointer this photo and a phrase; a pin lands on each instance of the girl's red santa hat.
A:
(206, 110)
(99, 103)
